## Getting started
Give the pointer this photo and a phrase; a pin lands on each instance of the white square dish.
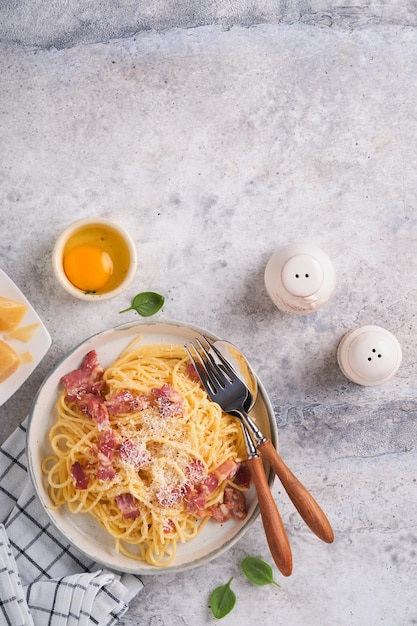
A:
(38, 345)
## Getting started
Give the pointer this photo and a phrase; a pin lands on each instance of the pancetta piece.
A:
(107, 443)
(126, 402)
(85, 379)
(198, 492)
(242, 476)
(168, 401)
(220, 513)
(79, 476)
(195, 471)
(226, 470)
(195, 501)
(97, 410)
(192, 372)
(84, 387)
(233, 506)
(236, 502)
(128, 505)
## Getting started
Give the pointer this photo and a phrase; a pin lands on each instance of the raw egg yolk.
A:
(88, 267)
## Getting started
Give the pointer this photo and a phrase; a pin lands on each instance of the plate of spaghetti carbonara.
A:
(131, 460)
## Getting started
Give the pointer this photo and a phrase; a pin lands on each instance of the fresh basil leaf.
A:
(258, 572)
(222, 600)
(146, 303)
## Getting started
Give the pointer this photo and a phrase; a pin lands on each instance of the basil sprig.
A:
(222, 600)
(146, 303)
(258, 572)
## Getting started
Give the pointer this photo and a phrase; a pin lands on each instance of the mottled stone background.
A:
(60, 24)
(216, 132)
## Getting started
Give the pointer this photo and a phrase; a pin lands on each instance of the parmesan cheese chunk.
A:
(9, 361)
(11, 313)
(26, 357)
(24, 333)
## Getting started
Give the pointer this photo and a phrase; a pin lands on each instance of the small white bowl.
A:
(117, 284)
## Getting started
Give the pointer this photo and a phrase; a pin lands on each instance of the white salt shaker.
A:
(369, 355)
(299, 278)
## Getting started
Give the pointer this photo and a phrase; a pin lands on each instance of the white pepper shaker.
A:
(369, 355)
(299, 278)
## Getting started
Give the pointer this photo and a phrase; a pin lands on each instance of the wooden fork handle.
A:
(302, 499)
(275, 532)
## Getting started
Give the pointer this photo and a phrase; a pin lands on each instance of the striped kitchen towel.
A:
(43, 579)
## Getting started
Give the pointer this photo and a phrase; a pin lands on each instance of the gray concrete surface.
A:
(214, 145)
(61, 24)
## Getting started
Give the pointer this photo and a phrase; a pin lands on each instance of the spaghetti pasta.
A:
(142, 448)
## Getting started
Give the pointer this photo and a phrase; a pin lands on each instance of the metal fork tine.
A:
(211, 377)
(218, 377)
(212, 367)
(226, 365)
(198, 364)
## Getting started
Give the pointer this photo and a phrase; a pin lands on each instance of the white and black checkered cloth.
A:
(43, 580)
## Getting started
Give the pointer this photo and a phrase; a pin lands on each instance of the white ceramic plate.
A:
(38, 346)
(82, 530)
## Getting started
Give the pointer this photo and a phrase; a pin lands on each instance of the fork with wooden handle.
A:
(306, 505)
(230, 397)
(226, 354)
